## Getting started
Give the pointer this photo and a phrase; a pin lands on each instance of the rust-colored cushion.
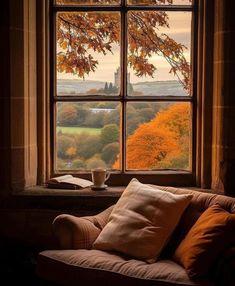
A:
(142, 221)
(212, 233)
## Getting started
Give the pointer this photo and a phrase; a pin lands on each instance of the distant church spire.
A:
(117, 77)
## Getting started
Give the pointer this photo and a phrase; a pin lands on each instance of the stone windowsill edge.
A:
(86, 192)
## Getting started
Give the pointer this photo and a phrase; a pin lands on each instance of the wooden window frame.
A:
(122, 177)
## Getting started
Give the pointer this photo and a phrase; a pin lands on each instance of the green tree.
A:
(106, 89)
(88, 145)
(94, 120)
(110, 152)
(109, 134)
(110, 89)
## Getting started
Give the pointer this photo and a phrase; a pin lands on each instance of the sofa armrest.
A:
(79, 232)
(225, 272)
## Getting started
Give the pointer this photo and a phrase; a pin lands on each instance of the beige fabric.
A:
(54, 261)
(79, 232)
(142, 221)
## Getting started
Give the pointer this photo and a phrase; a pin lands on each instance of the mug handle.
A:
(107, 176)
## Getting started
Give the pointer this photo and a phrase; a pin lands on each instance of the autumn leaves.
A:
(82, 34)
(164, 142)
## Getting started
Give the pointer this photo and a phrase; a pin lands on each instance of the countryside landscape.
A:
(88, 135)
(148, 88)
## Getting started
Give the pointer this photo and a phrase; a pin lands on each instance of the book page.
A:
(61, 178)
(77, 181)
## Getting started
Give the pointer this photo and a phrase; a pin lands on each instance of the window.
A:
(124, 86)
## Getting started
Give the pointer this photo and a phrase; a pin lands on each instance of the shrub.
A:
(140, 105)
(110, 152)
(94, 120)
(78, 164)
(61, 164)
(88, 145)
(133, 123)
(71, 152)
(63, 144)
(146, 113)
(112, 117)
(67, 115)
(95, 162)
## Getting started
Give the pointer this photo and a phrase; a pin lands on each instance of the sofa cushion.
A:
(95, 267)
(142, 221)
(198, 204)
(210, 236)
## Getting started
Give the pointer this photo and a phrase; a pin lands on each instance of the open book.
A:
(68, 182)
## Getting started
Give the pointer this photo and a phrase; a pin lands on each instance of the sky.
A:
(181, 21)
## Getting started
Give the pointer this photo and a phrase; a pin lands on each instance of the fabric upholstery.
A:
(53, 265)
(226, 265)
(213, 232)
(79, 232)
(95, 267)
(198, 204)
(142, 221)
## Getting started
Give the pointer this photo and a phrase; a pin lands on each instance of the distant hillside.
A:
(72, 86)
(171, 87)
(75, 87)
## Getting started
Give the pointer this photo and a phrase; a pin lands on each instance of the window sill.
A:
(111, 191)
(87, 192)
(81, 200)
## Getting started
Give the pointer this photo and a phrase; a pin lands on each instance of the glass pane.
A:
(159, 136)
(159, 2)
(87, 2)
(87, 135)
(88, 53)
(159, 52)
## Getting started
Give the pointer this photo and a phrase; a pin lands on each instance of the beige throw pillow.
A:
(142, 221)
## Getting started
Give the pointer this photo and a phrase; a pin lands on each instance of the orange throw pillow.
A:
(212, 233)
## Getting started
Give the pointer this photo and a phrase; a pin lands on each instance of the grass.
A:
(78, 130)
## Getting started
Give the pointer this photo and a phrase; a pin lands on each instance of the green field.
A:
(78, 130)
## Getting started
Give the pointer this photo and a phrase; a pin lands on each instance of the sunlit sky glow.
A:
(180, 26)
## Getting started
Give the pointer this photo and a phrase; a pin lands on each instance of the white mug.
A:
(99, 176)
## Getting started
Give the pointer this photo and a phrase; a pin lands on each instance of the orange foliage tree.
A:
(164, 142)
(80, 34)
(67, 115)
(149, 146)
(177, 119)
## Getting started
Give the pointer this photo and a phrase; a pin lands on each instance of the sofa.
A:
(78, 263)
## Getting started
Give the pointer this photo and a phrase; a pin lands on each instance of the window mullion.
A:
(53, 87)
(123, 84)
